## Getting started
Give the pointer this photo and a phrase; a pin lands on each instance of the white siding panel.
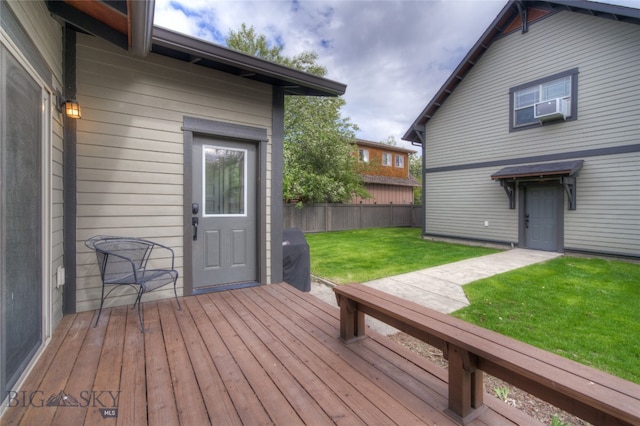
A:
(130, 146)
(472, 127)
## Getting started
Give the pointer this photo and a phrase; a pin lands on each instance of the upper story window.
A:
(386, 159)
(363, 155)
(399, 160)
(548, 99)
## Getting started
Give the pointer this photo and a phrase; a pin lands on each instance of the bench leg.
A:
(352, 324)
(465, 386)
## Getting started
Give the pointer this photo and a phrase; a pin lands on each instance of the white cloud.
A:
(393, 55)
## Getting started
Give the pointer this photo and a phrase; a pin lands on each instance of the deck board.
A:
(262, 355)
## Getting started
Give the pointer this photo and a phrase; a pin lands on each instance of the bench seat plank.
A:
(577, 388)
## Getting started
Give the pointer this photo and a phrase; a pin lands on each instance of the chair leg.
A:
(142, 330)
(101, 304)
(139, 303)
(176, 292)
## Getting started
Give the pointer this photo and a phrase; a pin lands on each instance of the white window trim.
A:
(204, 176)
(387, 159)
(363, 155)
(401, 162)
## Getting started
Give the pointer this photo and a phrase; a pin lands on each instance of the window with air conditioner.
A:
(549, 99)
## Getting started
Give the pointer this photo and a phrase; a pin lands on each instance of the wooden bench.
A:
(590, 394)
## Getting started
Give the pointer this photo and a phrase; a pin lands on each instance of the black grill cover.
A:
(296, 261)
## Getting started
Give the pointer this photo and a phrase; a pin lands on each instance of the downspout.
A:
(424, 185)
(140, 27)
(420, 132)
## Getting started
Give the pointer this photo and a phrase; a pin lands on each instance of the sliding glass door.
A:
(21, 134)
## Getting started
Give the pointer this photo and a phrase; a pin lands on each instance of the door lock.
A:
(195, 208)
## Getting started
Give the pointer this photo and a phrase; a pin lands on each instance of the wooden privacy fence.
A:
(342, 217)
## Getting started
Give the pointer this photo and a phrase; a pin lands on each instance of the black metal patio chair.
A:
(123, 261)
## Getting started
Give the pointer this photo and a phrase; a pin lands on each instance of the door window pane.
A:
(224, 181)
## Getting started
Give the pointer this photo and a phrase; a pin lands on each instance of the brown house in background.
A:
(385, 171)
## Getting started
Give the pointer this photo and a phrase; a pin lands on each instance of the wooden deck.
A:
(262, 355)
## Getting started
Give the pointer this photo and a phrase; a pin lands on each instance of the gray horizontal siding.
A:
(471, 130)
(476, 115)
(130, 147)
(459, 203)
(607, 217)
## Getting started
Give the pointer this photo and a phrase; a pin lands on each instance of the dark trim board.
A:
(624, 149)
(277, 166)
(70, 177)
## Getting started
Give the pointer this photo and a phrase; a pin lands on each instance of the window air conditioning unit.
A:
(553, 109)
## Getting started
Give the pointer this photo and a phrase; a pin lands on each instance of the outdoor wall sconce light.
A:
(71, 107)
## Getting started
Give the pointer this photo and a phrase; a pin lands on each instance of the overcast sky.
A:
(392, 55)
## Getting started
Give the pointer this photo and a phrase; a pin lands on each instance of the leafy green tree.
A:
(415, 168)
(320, 165)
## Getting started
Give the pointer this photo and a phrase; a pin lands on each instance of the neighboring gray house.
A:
(534, 139)
(156, 106)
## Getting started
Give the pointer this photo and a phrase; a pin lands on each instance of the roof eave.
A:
(293, 81)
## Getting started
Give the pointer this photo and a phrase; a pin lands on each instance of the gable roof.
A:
(516, 15)
(129, 25)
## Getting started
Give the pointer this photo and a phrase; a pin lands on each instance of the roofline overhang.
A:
(495, 29)
(129, 28)
(294, 82)
(383, 146)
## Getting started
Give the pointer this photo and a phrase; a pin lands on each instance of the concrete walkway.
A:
(440, 287)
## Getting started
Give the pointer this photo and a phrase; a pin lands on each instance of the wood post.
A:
(352, 323)
(465, 385)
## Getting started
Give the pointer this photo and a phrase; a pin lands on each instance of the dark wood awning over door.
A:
(564, 172)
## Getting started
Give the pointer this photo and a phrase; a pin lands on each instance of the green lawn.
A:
(368, 254)
(584, 309)
(587, 310)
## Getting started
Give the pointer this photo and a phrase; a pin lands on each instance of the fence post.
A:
(326, 217)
